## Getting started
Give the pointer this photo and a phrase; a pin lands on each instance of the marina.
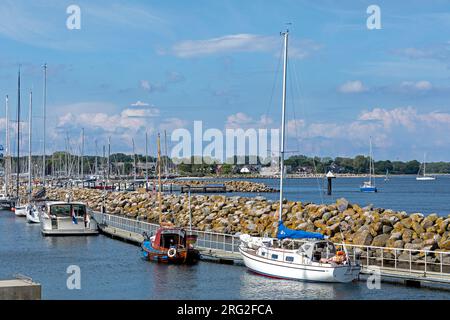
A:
(225, 154)
(106, 261)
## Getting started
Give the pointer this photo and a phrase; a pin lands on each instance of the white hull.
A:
(33, 217)
(20, 212)
(66, 226)
(425, 178)
(304, 272)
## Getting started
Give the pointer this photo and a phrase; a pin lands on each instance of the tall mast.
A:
(159, 179)
(283, 121)
(18, 135)
(109, 155)
(370, 160)
(7, 160)
(146, 160)
(166, 162)
(134, 160)
(96, 158)
(82, 154)
(30, 167)
(424, 164)
(44, 107)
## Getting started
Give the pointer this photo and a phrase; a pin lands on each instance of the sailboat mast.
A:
(82, 156)
(7, 160)
(159, 178)
(30, 119)
(283, 121)
(146, 160)
(370, 160)
(18, 136)
(134, 160)
(44, 107)
(424, 164)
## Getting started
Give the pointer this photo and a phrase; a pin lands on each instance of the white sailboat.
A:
(31, 212)
(295, 254)
(369, 186)
(424, 176)
(19, 210)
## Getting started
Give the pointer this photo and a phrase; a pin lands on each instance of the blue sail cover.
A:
(284, 233)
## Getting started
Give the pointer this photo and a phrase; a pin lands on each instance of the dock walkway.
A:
(390, 263)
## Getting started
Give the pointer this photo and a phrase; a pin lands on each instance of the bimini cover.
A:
(284, 233)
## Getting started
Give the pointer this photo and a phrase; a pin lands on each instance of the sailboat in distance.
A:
(369, 186)
(295, 254)
(424, 176)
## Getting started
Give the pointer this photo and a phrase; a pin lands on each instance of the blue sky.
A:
(139, 66)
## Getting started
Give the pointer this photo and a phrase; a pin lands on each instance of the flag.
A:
(74, 218)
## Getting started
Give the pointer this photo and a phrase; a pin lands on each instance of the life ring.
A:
(172, 252)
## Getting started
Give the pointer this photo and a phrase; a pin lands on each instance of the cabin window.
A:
(60, 210)
(289, 259)
(275, 257)
(79, 209)
(263, 254)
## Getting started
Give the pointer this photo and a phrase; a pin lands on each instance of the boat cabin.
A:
(318, 250)
(173, 238)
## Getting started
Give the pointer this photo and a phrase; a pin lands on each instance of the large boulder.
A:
(342, 204)
(362, 238)
(380, 240)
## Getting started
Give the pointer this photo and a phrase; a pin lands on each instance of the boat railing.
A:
(205, 239)
(421, 262)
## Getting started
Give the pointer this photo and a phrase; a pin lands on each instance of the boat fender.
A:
(172, 252)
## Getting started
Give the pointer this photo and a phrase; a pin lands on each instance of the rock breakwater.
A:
(258, 216)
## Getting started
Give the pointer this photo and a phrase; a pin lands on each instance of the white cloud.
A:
(352, 87)
(139, 104)
(242, 42)
(417, 86)
(241, 120)
(140, 113)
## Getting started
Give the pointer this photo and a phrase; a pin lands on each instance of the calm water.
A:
(111, 269)
(399, 193)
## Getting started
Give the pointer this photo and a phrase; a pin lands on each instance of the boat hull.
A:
(182, 256)
(20, 212)
(33, 218)
(66, 227)
(368, 189)
(315, 273)
(425, 178)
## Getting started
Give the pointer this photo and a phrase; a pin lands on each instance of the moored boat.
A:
(67, 219)
(295, 254)
(32, 214)
(170, 245)
(303, 256)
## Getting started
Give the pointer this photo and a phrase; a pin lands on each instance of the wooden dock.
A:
(204, 189)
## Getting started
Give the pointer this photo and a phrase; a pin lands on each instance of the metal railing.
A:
(408, 261)
(205, 239)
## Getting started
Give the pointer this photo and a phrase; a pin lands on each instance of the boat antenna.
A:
(283, 121)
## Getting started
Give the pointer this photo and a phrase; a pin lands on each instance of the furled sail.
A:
(284, 233)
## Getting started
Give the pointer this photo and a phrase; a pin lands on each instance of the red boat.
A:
(170, 245)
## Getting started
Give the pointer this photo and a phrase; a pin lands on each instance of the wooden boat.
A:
(170, 245)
